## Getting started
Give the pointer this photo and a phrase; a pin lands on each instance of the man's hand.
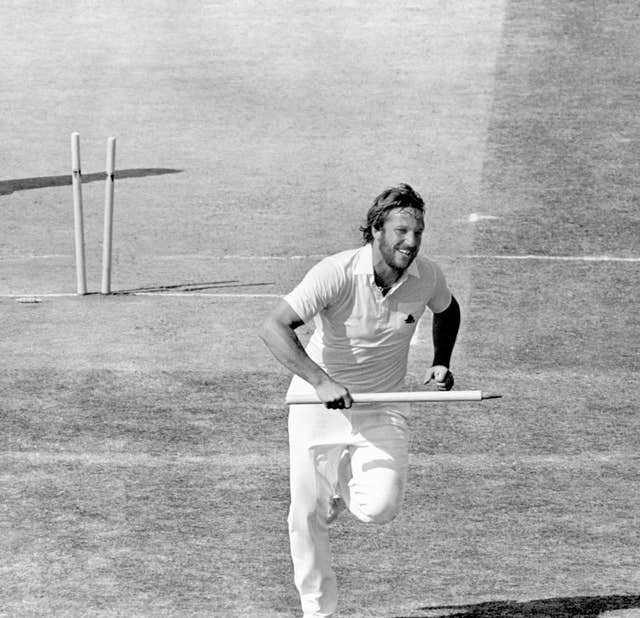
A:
(278, 333)
(334, 395)
(442, 376)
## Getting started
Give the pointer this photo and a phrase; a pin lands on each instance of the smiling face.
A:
(397, 242)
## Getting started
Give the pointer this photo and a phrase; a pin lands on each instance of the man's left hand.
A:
(442, 377)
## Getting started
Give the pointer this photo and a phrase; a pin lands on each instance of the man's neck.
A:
(385, 276)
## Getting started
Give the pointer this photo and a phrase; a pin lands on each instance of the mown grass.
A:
(124, 502)
(143, 443)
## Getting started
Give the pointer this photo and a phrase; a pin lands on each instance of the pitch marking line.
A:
(318, 256)
(441, 460)
(313, 256)
(554, 258)
(418, 338)
(33, 297)
(208, 294)
(22, 258)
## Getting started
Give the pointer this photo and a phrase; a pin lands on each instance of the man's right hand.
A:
(334, 395)
(278, 333)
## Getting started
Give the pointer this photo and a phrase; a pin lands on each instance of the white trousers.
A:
(359, 454)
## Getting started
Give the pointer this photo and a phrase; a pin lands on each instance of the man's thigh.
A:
(379, 462)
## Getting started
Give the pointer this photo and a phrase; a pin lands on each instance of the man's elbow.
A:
(266, 329)
(449, 319)
(454, 307)
(274, 328)
(452, 312)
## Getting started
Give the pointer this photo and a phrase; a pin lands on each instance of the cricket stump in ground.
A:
(107, 242)
(78, 223)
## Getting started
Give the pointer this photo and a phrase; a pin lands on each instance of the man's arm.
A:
(278, 334)
(445, 331)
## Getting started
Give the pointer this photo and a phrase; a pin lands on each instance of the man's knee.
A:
(378, 507)
(382, 515)
(302, 516)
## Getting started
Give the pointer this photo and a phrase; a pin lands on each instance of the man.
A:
(365, 304)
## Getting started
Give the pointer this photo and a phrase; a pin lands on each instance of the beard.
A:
(398, 257)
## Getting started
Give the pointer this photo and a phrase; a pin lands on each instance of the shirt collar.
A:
(364, 264)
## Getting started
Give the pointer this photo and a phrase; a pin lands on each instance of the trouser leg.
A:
(314, 445)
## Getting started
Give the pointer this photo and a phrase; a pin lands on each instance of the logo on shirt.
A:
(410, 319)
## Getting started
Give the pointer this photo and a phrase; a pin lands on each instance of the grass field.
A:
(144, 447)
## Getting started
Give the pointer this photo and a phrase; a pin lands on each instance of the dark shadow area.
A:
(40, 182)
(561, 607)
(191, 287)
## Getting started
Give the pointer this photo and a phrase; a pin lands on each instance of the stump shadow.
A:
(191, 287)
(41, 182)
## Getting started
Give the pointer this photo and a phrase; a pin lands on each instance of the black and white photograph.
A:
(320, 309)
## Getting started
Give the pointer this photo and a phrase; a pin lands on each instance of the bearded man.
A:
(365, 304)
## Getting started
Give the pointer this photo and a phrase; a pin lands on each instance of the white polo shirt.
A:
(361, 337)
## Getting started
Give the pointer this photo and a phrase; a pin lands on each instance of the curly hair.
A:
(401, 196)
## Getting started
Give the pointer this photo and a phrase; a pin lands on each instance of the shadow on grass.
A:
(190, 287)
(561, 607)
(40, 182)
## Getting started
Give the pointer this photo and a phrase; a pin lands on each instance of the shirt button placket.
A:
(383, 311)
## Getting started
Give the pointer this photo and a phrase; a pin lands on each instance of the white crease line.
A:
(35, 296)
(135, 459)
(553, 258)
(31, 295)
(21, 258)
(277, 258)
(280, 258)
(512, 462)
(206, 294)
(251, 258)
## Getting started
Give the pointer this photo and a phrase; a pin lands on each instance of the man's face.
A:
(398, 241)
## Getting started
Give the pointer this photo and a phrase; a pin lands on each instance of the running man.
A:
(365, 304)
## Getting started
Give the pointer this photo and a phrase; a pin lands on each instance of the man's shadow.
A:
(560, 607)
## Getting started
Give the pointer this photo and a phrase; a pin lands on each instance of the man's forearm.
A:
(445, 331)
(284, 344)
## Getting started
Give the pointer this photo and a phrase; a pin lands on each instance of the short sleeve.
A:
(441, 296)
(317, 290)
